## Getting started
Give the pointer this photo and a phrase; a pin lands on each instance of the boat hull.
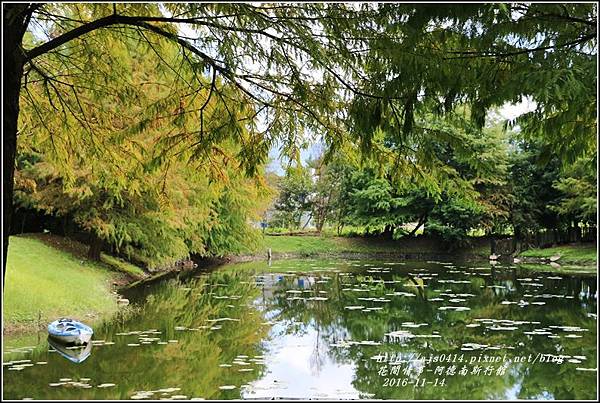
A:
(75, 354)
(69, 331)
(72, 339)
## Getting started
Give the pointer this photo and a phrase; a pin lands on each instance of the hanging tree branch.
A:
(474, 54)
(143, 21)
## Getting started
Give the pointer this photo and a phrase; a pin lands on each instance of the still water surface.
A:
(334, 329)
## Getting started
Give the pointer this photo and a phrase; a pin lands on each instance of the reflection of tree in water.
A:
(318, 355)
(334, 323)
(192, 363)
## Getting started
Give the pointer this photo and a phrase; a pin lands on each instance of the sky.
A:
(511, 111)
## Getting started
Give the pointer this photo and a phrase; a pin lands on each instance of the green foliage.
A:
(466, 190)
(427, 61)
(176, 214)
(578, 184)
(453, 216)
(397, 73)
(140, 187)
(547, 194)
(327, 204)
(231, 233)
(213, 95)
(294, 199)
(531, 183)
(373, 202)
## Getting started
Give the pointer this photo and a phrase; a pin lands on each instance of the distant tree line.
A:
(509, 186)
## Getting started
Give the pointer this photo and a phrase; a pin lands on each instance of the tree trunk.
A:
(307, 221)
(516, 247)
(320, 225)
(340, 223)
(95, 248)
(320, 219)
(15, 20)
(388, 232)
(421, 221)
(23, 222)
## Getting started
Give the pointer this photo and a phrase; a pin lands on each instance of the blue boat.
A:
(69, 331)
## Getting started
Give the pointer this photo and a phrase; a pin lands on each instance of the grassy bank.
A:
(310, 245)
(315, 245)
(44, 282)
(575, 254)
(329, 245)
(79, 251)
(589, 270)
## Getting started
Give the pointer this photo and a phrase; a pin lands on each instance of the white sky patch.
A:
(512, 111)
(291, 373)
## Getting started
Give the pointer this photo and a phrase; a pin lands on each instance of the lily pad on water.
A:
(411, 324)
(507, 328)
(454, 308)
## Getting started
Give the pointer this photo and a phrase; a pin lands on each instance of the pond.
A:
(351, 329)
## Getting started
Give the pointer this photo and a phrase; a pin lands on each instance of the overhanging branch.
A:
(475, 54)
(144, 22)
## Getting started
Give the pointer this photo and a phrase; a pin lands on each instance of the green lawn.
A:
(300, 244)
(311, 245)
(582, 254)
(562, 269)
(42, 280)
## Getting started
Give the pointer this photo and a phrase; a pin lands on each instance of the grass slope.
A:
(582, 254)
(312, 245)
(79, 251)
(43, 283)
